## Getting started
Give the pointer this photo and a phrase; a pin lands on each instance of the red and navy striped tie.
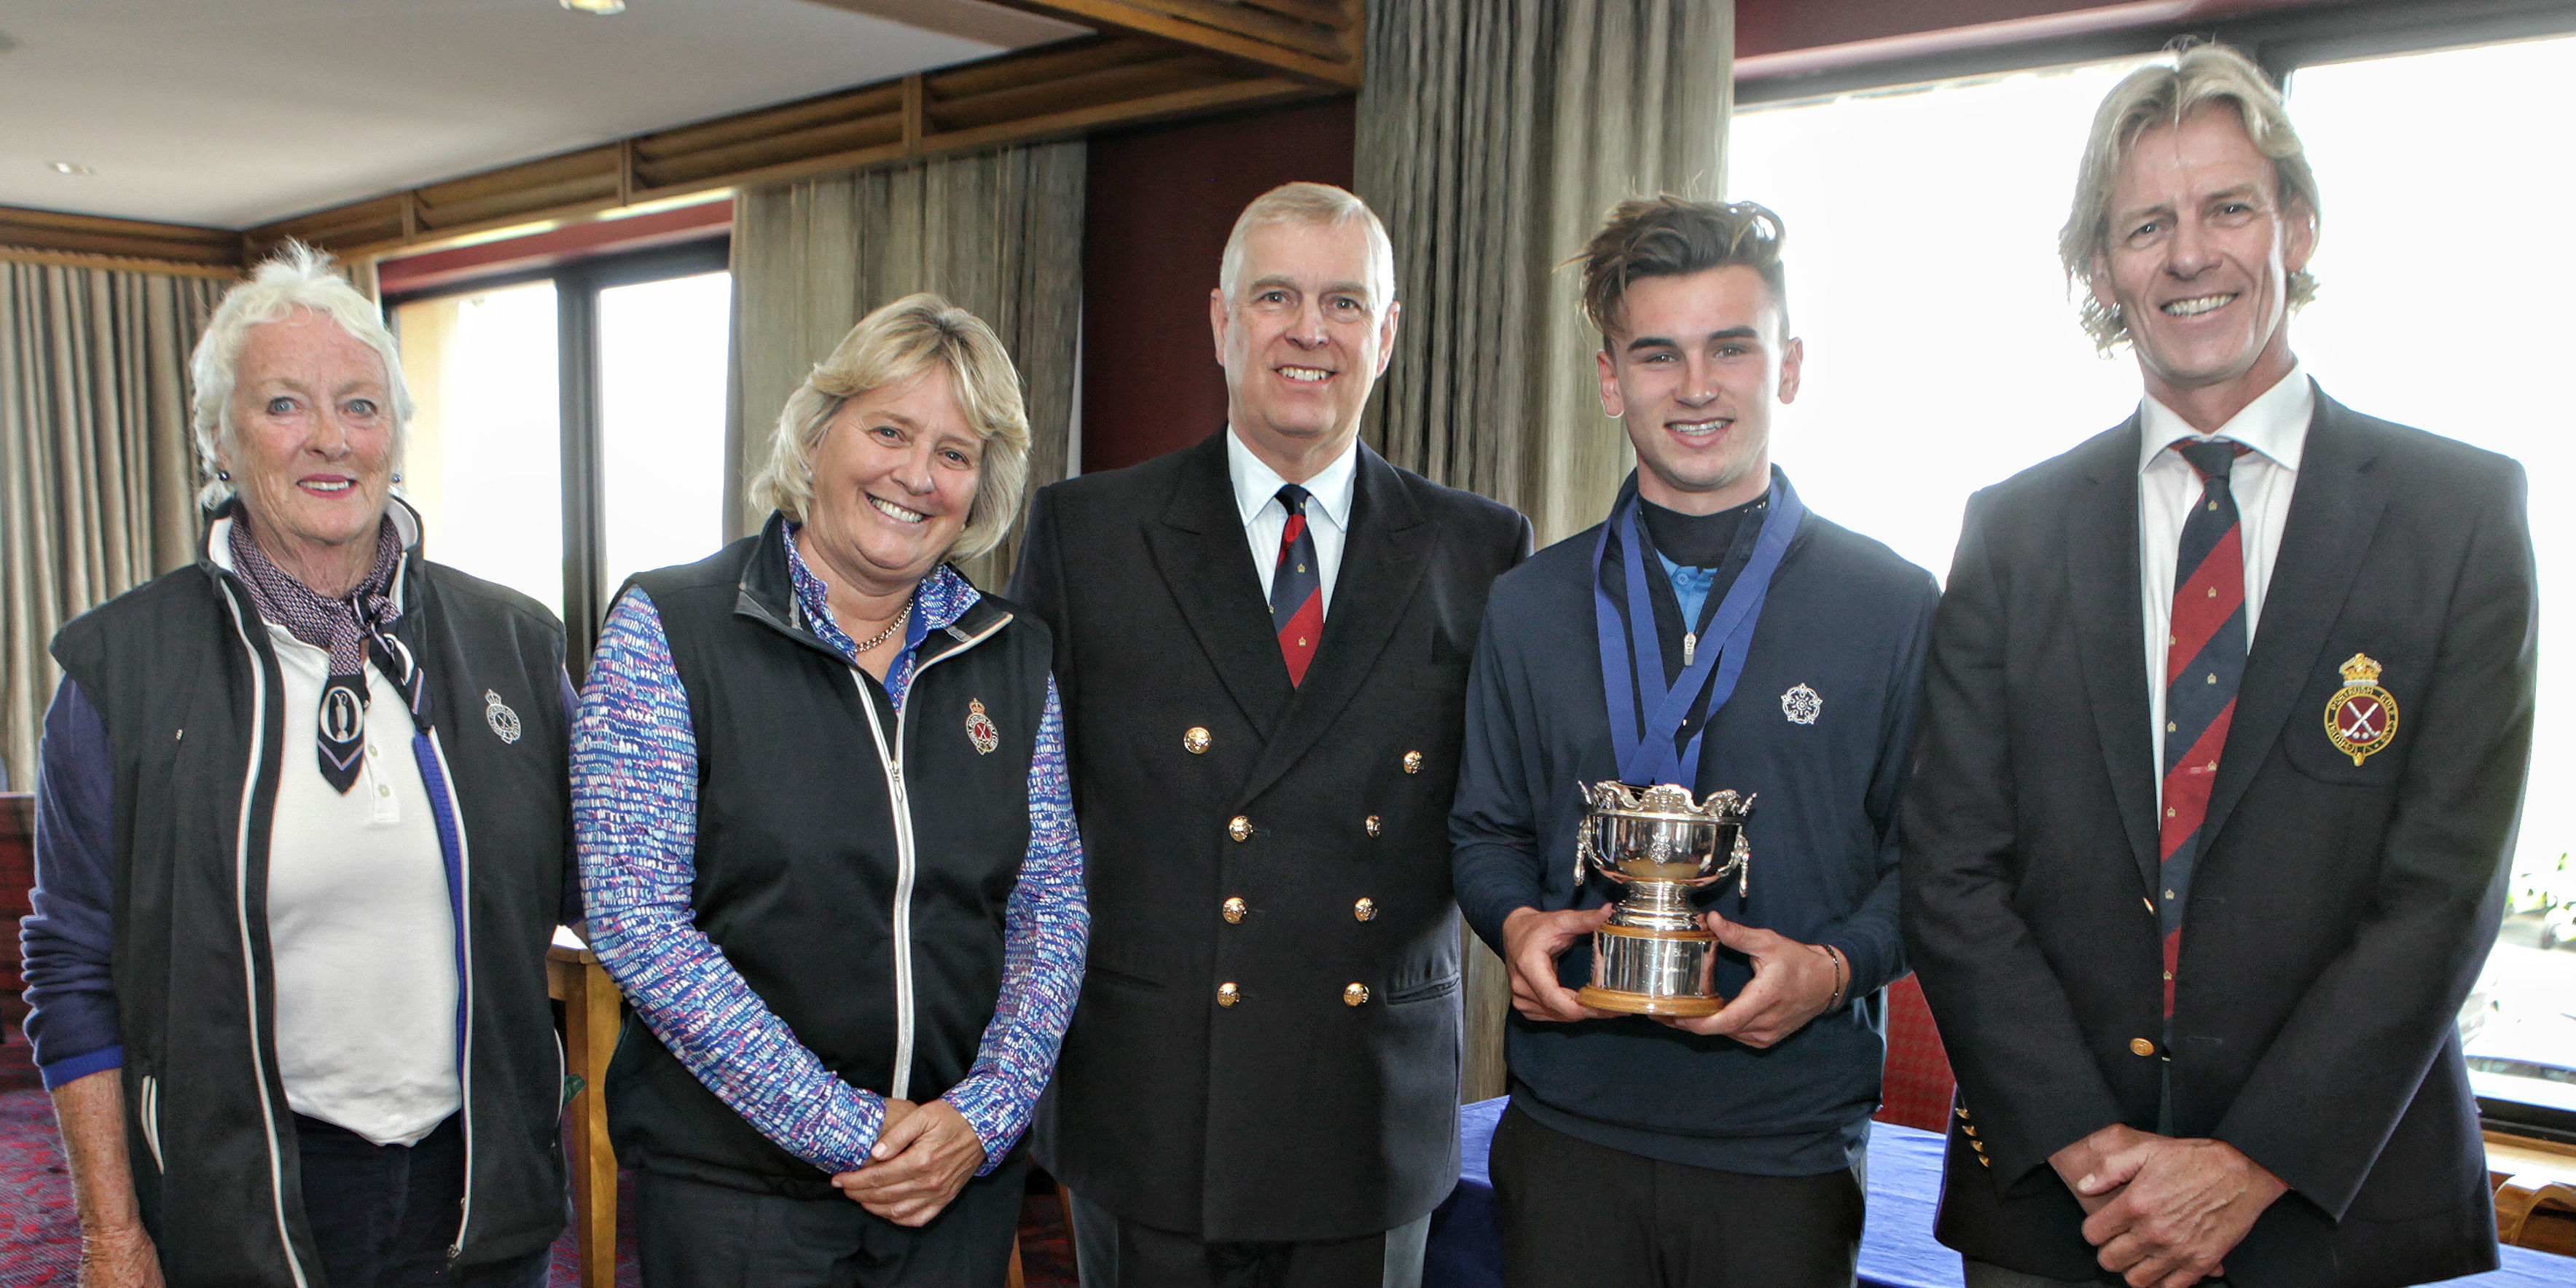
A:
(1297, 588)
(2204, 663)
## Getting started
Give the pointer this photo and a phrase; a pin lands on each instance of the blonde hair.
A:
(889, 347)
(1313, 204)
(2162, 95)
(297, 277)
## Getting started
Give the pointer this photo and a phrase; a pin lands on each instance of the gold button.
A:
(1372, 825)
(2141, 1046)
(1240, 829)
(1364, 910)
(1355, 995)
(1413, 762)
(1234, 910)
(1970, 1130)
(1978, 1145)
(1195, 740)
(1985, 1160)
(1962, 1111)
(1227, 994)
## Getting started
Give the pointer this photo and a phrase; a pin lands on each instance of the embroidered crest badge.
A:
(1801, 705)
(979, 728)
(2361, 717)
(496, 713)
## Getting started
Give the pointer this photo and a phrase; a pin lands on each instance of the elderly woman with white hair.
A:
(827, 845)
(301, 845)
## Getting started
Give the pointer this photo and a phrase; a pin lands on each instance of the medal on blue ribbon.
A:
(1632, 656)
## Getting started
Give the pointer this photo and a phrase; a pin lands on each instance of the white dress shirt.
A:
(1328, 510)
(2275, 425)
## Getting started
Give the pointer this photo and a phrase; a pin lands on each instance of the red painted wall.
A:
(1787, 37)
(1159, 205)
(1779, 26)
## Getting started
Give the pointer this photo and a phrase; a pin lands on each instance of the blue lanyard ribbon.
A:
(1632, 648)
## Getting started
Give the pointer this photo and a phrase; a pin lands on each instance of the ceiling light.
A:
(70, 167)
(600, 7)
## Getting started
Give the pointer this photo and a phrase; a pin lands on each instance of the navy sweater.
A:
(1846, 618)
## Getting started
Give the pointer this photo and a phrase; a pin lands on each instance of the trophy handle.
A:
(1585, 855)
(1742, 856)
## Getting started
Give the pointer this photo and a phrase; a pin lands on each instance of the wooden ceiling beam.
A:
(1313, 40)
(1053, 91)
(55, 231)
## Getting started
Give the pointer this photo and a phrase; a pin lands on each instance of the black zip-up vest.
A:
(182, 672)
(861, 900)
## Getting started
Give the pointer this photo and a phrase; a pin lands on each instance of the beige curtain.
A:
(999, 234)
(96, 473)
(1493, 137)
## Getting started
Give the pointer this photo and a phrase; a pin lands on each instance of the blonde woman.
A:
(820, 798)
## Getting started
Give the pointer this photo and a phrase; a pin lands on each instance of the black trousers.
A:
(383, 1216)
(689, 1234)
(1114, 1252)
(1587, 1216)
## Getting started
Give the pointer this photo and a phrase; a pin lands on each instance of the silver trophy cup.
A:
(1652, 957)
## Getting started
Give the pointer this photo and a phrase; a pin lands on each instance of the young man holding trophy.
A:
(1699, 711)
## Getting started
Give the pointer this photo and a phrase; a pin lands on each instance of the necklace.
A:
(888, 633)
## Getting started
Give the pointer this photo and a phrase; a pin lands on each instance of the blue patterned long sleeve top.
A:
(634, 786)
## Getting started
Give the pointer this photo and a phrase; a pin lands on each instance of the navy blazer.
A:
(2339, 911)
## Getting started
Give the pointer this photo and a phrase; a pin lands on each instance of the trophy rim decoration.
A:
(1665, 802)
(1654, 918)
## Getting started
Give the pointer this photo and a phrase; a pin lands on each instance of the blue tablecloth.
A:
(1896, 1249)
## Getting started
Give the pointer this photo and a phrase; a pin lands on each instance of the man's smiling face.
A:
(1699, 361)
(1305, 337)
(2197, 257)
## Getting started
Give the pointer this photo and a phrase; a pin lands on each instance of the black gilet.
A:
(802, 873)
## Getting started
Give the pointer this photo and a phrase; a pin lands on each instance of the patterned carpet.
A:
(40, 1238)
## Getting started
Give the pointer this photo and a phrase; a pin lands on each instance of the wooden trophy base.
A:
(1626, 1003)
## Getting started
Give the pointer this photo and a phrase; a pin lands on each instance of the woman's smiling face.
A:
(894, 481)
(309, 440)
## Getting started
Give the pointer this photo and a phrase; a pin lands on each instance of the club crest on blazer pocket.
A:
(2349, 723)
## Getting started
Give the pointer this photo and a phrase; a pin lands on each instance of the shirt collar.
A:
(219, 544)
(940, 599)
(1255, 484)
(2274, 424)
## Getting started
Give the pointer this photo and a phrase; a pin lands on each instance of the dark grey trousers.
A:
(690, 1234)
(1580, 1215)
(1114, 1252)
(1986, 1274)
(383, 1215)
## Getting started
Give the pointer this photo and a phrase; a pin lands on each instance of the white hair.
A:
(1318, 205)
(297, 277)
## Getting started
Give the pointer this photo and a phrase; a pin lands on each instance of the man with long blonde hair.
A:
(2225, 731)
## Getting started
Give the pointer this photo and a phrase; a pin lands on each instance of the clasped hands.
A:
(2164, 1211)
(924, 1154)
(1792, 982)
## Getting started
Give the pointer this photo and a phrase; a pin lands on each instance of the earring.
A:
(224, 475)
(397, 476)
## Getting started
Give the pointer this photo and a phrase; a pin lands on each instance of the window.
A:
(485, 465)
(1943, 354)
(570, 428)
